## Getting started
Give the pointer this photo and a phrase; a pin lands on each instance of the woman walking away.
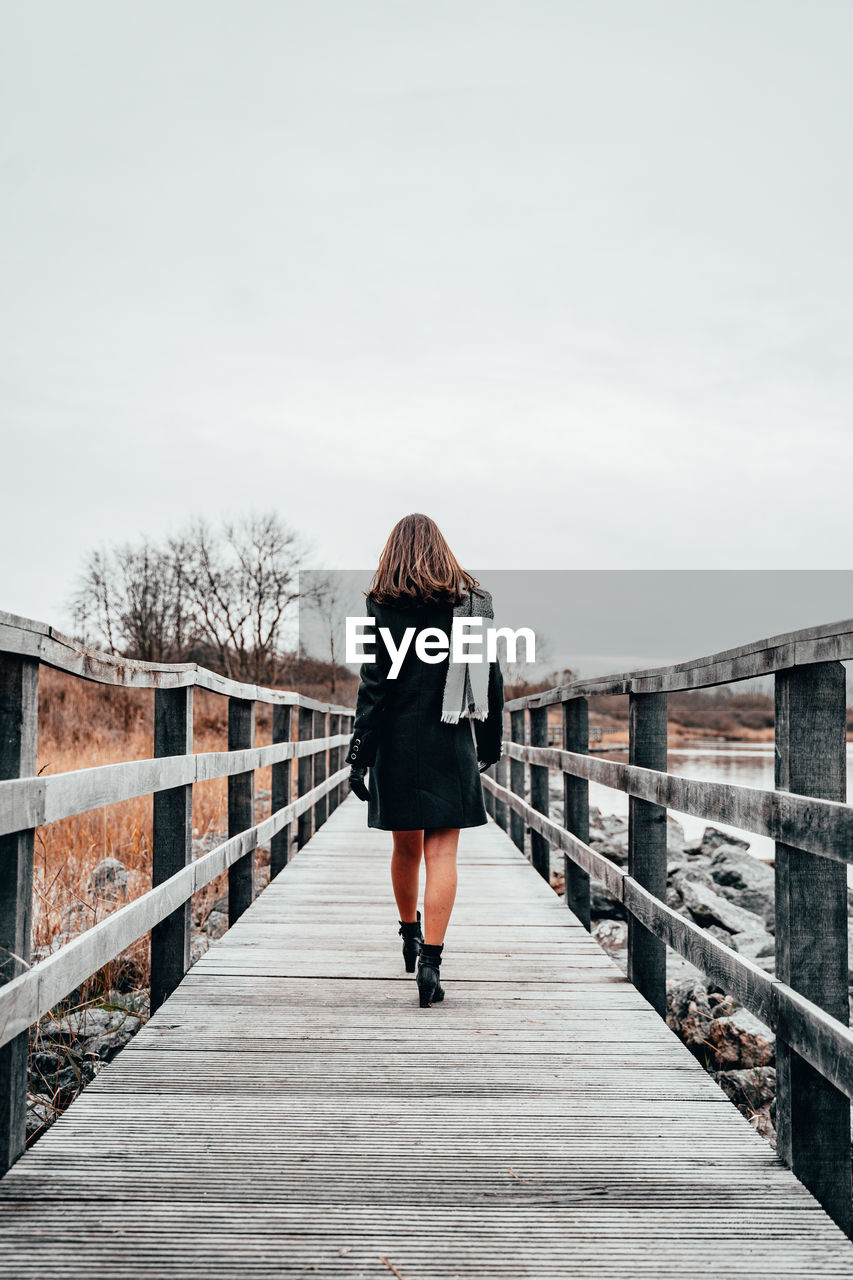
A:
(425, 731)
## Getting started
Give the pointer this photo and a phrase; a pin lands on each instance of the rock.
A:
(120, 1032)
(603, 905)
(137, 1001)
(608, 824)
(711, 840)
(756, 945)
(688, 1012)
(762, 1123)
(708, 907)
(108, 881)
(199, 944)
(746, 881)
(40, 1113)
(613, 847)
(740, 1040)
(721, 1004)
(751, 1088)
(674, 836)
(217, 922)
(722, 935)
(611, 936)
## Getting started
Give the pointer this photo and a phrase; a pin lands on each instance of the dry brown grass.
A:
(82, 725)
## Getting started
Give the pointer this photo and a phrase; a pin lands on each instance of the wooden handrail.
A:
(832, 642)
(34, 993)
(806, 1002)
(36, 802)
(823, 827)
(27, 801)
(31, 639)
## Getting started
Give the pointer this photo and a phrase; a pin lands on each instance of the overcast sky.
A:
(573, 276)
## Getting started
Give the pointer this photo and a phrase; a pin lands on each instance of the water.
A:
(747, 764)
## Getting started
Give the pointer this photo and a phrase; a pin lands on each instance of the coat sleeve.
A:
(489, 732)
(373, 687)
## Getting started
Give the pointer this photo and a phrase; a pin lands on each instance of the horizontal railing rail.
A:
(41, 801)
(824, 827)
(27, 801)
(805, 1002)
(29, 639)
(832, 642)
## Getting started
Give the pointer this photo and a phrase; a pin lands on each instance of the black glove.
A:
(483, 767)
(356, 782)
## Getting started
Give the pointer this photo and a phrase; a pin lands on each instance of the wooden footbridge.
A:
(289, 1110)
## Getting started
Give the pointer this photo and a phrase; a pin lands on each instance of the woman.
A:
(425, 735)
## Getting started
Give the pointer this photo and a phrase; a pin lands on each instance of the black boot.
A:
(412, 941)
(429, 987)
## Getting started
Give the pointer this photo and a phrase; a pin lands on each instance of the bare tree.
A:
(326, 596)
(242, 580)
(131, 598)
(221, 594)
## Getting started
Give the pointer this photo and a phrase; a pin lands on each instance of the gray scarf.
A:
(466, 689)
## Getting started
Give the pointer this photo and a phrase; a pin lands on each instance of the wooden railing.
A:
(806, 1003)
(27, 801)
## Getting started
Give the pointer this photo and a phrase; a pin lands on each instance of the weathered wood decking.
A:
(290, 1111)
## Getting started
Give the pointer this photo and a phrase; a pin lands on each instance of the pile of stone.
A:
(720, 886)
(67, 1052)
(738, 1050)
(71, 1044)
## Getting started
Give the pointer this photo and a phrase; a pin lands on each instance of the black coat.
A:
(423, 772)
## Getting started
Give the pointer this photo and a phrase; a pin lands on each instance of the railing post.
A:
(488, 798)
(647, 845)
(342, 789)
(304, 775)
(281, 773)
(499, 773)
(241, 807)
(576, 806)
(516, 779)
(334, 760)
(321, 730)
(18, 738)
(540, 850)
(812, 1116)
(172, 842)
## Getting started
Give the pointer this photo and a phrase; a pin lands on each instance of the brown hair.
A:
(417, 565)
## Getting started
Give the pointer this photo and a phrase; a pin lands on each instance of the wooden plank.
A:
(813, 1116)
(540, 853)
(282, 732)
(570, 1133)
(18, 743)
(647, 727)
(172, 842)
(576, 807)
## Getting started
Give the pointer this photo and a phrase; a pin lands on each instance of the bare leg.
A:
(405, 871)
(440, 845)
